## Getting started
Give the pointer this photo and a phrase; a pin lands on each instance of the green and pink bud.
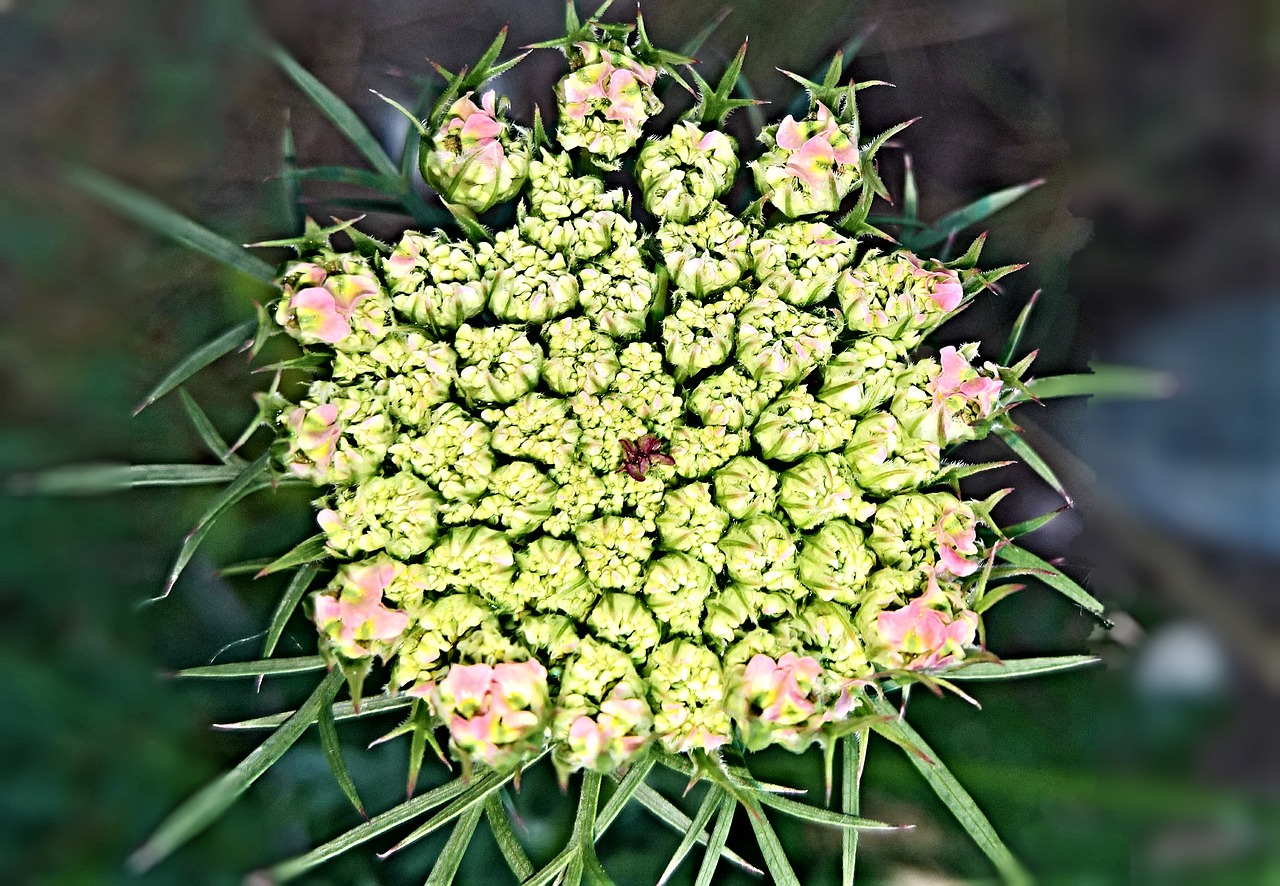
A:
(808, 166)
(925, 634)
(605, 101)
(886, 460)
(946, 401)
(496, 714)
(709, 255)
(343, 306)
(474, 159)
(777, 701)
(353, 620)
(898, 296)
(436, 282)
(778, 343)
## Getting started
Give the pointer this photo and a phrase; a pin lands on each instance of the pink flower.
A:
(477, 129)
(933, 638)
(493, 712)
(781, 689)
(316, 433)
(957, 538)
(356, 621)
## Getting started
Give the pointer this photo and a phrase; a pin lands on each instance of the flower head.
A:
(808, 165)
(474, 159)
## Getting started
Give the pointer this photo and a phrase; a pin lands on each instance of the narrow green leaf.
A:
(480, 787)
(505, 836)
(950, 791)
(337, 111)
(818, 815)
(288, 603)
(343, 710)
(289, 164)
(584, 828)
(1026, 527)
(694, 43)
(209, 435)
(243, 485)
(450, 858)
(245, 567)
(979, 210)
(994, 596)
(153, 214)
(1033, 459)
(210, 802)
(709, 804)
(775, 857)
(910, 193)
(259, 668)
(332, 748)
(1019, 329)
(1106, 382)
(716, 844)
(103, 479)
(308, 551)
(349, 175)
(379, 824)
(198, 359)
(1050, 575)
(1017, 668)
(669, 814)
(854, 757)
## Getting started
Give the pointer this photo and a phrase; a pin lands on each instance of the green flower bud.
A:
(935, 530)
(556, 193)
(809, 165)
(886, 460)
(396, 514)
(861, 378)
(796, 425)
(820, 488)
(682, 173)
(617, 293)
(499, 363)
(676, 589)
(623, 620)
(800, 261)
(758, 641)
(595, 233)
(473, 558)
(697, 336)
(646, 389)
(835, 563)
(519, 500)
(898, 296)
(439, 625)
(745, 487)
(738, 605)
(709, 255)
(452, 453)
(577, 499)
(690, 522)
(686, 688)
(535, 426)
(605, 421)
(337, 435)
(760, 552)
(416, 373)
(778, 343)
(642, 499)
(825, 631)
(615, 551)
(474, 159)
(731, 399)
(579, 358)
(553, 636)
(551, 578)
(532, 285)
(434, 281)
(336, 300)
(699, 451)
(778, 701)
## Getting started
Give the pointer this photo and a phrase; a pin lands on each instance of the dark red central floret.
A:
(641, 454)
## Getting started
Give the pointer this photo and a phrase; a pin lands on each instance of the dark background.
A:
(1155, 240)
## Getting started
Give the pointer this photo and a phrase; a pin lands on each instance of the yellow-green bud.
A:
(835, 563)
(820, 488)
(746, 486)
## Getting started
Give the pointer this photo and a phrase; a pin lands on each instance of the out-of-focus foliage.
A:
(1094, 777)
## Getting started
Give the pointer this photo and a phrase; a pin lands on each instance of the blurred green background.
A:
(1156, 128)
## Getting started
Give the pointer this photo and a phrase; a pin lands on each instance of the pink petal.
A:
(789, 135)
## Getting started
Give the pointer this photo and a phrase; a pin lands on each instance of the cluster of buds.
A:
(594, 486)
